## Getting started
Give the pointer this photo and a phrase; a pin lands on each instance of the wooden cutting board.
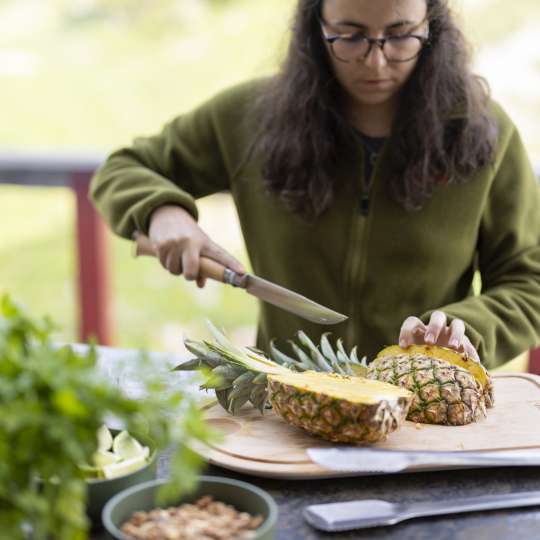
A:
(267, 446)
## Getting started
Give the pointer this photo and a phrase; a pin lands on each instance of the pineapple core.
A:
(352, 389)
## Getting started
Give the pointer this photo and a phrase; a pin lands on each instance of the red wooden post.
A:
(93, 282)
(534, 361)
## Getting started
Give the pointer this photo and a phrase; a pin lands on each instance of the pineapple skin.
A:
(453, 357)
(443, 393)
(334, 419)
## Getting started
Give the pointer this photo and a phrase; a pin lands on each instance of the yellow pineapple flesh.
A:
(339, 408)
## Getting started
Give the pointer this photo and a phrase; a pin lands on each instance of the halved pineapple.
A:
(336, 407)
(339, 408)
(449, 387)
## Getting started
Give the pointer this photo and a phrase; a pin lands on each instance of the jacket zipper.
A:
(366, 188)
(361, 224)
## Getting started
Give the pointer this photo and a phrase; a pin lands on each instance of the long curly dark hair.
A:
(306, 141)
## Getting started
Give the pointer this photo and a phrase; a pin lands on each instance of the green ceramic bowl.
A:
(101, 490)
(243, 496)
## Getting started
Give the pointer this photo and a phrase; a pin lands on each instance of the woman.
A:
(371, 174)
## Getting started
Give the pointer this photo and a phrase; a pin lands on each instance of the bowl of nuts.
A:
(219, 508)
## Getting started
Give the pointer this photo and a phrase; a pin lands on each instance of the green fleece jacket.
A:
(377, 268)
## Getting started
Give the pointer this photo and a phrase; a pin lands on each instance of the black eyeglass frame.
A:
(381, 42)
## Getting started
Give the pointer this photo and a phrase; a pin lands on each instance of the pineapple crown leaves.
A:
(222, 356)
(324, 359)
(239, 374)
(245, 357)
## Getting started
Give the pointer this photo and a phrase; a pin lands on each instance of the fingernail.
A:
(430, 338)
(454, 343)
(402, 343)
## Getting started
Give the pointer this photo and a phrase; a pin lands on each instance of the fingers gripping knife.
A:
(256, 286)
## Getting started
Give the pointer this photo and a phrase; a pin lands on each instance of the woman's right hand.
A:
(180, 243)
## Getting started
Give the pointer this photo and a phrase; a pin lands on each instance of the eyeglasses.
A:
(396, 48)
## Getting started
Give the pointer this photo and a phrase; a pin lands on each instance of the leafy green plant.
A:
(52, 402)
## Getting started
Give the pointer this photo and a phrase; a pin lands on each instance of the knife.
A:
(344, 516)
(374, 461)
(256, 286)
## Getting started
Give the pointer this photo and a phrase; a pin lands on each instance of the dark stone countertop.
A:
(515, 524)
(293, 495)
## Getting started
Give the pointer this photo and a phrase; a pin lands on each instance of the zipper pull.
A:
(364, 204)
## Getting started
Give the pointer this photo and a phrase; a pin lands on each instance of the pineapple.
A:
(449, 388)
(338, 408)
(335, 404)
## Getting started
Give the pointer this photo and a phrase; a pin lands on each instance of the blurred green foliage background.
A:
(93, 74)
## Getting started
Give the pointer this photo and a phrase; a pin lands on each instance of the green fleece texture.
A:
(377, 269)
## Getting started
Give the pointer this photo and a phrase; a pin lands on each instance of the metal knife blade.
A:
(291, 301)
(261, 288)
(379, 460)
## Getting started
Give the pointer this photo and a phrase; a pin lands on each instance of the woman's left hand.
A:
(437, 332)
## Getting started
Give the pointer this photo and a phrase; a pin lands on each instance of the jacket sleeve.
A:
(182, 163)
(504, 320)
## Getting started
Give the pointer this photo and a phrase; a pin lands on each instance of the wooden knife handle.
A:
(211, 269)
(208, 267)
